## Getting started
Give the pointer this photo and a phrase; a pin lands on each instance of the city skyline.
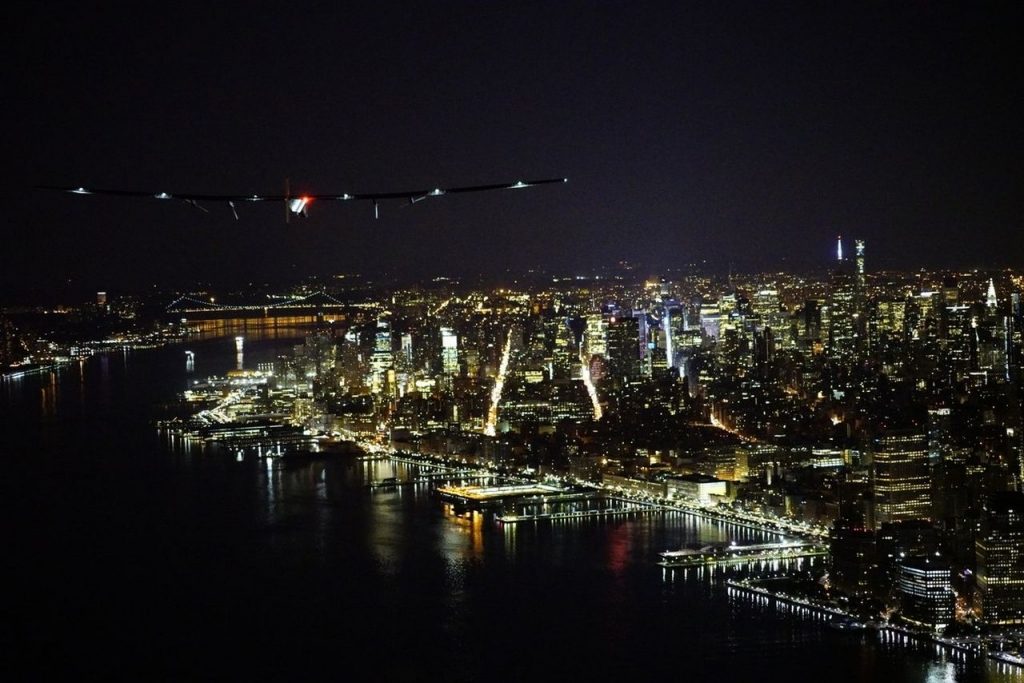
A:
(871, 421)
(742, 138)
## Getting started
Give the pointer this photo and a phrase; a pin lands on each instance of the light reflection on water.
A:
(302, 557)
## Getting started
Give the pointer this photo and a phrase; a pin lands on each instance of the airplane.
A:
(298, 205)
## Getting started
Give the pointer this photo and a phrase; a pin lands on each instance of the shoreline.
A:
(975, 646)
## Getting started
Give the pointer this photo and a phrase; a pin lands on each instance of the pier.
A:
(737, 554)
(485, 496)
(549, 502)
(573, 514)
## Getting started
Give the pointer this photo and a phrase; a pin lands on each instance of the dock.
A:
(483, 496)
(725, 554)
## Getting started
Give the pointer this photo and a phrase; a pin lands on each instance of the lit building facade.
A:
(999, 552)
(925, 589)
(901, 477)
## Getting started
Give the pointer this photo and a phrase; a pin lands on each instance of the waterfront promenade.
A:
(989, 646)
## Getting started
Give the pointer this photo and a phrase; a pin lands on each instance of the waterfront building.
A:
(728, 463)
(999, 549)
(896, 541)
(696, 487)
(924, 588)
(956, 496)
(634, 486)
(852, 557)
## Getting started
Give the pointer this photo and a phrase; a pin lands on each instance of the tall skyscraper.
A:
(999, 549)
(861, 298)
(381, 359)
(844, 312)
(861, 275)
(449, 352)
(711, 318)
(901, 478)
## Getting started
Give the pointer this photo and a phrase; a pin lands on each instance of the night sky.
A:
(731, 134)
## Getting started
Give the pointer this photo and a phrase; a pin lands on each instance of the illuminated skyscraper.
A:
(765, 303)
(861, 276)
(595, 336)
(999, 551)
(901, 477)
(711, 319)
(925, 589)
(449, 352)
(844, 312)
(673, 322)
(381, 359)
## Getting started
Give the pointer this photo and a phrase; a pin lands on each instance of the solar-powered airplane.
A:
(298, 204)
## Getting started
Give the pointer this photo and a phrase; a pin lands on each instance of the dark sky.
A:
(743, 133)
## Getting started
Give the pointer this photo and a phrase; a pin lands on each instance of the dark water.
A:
(128, 556)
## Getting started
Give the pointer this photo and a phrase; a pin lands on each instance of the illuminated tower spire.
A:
(669, 351)
(990, 298)
(843, 310)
